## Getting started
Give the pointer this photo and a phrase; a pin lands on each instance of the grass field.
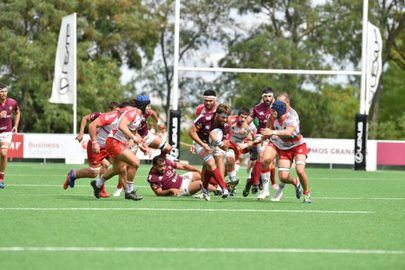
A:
(356, 221)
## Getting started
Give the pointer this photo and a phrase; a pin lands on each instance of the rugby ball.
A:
(215, 137)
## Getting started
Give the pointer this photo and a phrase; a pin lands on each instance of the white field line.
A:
(147, 187)
(350, 178)
(203, 250)
(184, 210)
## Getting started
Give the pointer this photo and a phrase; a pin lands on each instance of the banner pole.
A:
(75, 77)
(364, 59)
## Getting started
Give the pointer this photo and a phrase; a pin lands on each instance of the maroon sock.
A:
(273, 176)
(206, 178)
(256, 173)
(2, 176)
(218, 177)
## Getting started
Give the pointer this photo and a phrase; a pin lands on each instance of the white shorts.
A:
(148, 139)
(262, 146)
(6, 137)
(201, 152)
(187, 179)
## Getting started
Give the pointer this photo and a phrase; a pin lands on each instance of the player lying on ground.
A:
(164, 180)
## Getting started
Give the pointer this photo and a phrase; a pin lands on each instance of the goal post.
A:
(367, 71)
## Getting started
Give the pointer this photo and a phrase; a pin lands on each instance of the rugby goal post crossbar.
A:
(363, 96)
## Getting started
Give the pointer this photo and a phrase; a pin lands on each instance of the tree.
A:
(110, 33)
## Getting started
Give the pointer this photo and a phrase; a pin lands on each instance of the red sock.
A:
(273, 176)
(103, 189)
(2, 176)
(119, 185)
(307, 192)
(213, 182)
(218, 177)
(256, 173)
(206, 178)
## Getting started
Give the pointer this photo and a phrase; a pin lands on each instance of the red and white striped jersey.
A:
(287, 142)
(134, 116)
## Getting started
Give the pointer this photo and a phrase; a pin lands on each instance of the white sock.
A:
(130, 187)
(232, 176)
(237, 167)
(266, 179)
(100, 182)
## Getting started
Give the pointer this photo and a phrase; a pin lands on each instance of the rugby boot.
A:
(133, 196)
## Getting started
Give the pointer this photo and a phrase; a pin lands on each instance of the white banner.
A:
(374, 63)
(64, 81)
(63, 146)
(338, 151)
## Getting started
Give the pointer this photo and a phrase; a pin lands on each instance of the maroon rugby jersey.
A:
(6, 110)
(205, 123)
(94, 116)
(262, 113)
(143, 129)
(169, 179)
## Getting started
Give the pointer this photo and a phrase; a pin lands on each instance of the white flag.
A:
(374, 63)
(64, 81)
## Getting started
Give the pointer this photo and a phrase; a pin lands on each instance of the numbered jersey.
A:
(287, 142)
(107, 121)
(262, 113)
(143, 128)
(6, 110)
(169, 179)
(240, 133)
(205, 123)
(135, 118)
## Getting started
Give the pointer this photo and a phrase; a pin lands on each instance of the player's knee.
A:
(283, 174)
(300, 170)
(3, 156)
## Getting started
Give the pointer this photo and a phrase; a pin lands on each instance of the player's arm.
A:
(17, 116)
(83, 124)
(123, 126)
(160, 192)
(93, 134)
(267, 132)
(192, 132)
(187, 167)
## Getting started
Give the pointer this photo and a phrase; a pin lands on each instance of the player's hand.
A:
(14, 130)
(130, 143)
(243, 131)
(144, 148)
(192, 149)
(226, 145)
(176, 192)
(95, 147)
(266, 132)
(207, 148)
(79, 137)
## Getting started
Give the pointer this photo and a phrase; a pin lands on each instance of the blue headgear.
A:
(280, 107)
(141, 101)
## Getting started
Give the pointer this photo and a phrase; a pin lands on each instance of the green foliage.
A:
(110, 33)
(295, 34)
